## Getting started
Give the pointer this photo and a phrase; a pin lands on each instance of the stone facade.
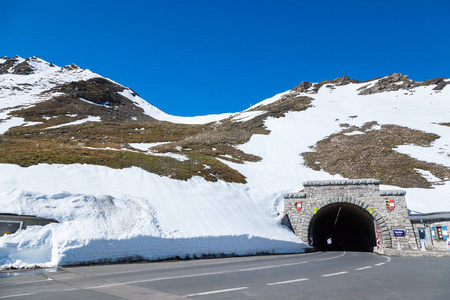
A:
(434, 228)
(387, 215)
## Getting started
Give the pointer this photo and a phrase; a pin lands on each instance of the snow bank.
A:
(143, 215)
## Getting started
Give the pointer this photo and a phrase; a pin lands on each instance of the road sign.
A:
(315, 210)
(370, 209)
(398, 232)
(378, 243)
(298, 205)
(311, 243)
(378, 230)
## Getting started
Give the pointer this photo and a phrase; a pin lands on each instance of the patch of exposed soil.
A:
(371, 155)
(94, 97)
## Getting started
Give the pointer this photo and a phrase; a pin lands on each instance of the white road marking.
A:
(211, 262)
(299, 254)
(217, 292)
(271, 267)
(150, 280)
(387, 258)
(334, 257)
(330, 258)
(380, 264)
(334, 274)
(17, 295)
(24, 282)
(363, 268)
(288, 281)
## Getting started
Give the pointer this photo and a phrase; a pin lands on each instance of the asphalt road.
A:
(323, 275)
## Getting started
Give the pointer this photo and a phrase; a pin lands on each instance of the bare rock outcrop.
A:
(397, 81)
(307, 87)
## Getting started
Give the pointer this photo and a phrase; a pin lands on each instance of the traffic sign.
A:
(398, 232)
(378, 243)
(378, 230)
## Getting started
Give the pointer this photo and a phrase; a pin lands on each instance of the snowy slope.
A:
(107, 214)
(32, 88)
(19, 90)
(158, 114)
(283, 169)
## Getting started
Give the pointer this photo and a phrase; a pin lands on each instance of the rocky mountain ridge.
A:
(393, 82)
(71, 115)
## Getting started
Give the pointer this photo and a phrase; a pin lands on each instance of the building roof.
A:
(436, 216)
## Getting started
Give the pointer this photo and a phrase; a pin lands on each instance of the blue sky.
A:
(192, 58)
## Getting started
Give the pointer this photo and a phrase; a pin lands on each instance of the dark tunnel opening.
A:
(343, 226)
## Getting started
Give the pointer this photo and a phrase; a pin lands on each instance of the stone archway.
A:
(361, 202)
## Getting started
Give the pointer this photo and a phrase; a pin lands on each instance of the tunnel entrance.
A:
(343, 226)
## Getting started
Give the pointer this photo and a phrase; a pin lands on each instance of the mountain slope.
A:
(114, 170)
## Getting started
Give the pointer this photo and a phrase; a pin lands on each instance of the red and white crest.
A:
(391, 204)
(298, 205)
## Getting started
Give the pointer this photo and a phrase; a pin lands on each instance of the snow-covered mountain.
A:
(31, 81)
(126, 180)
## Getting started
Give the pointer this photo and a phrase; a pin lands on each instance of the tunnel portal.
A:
(343, 226)
(350, 214)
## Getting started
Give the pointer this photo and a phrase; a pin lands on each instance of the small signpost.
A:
(399, 232)
(378, 243)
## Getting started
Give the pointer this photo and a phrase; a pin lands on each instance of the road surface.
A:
(322, 275)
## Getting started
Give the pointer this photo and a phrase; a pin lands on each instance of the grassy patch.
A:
(102, 143)
(289, 102)
(371, 155)
(88, 143)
